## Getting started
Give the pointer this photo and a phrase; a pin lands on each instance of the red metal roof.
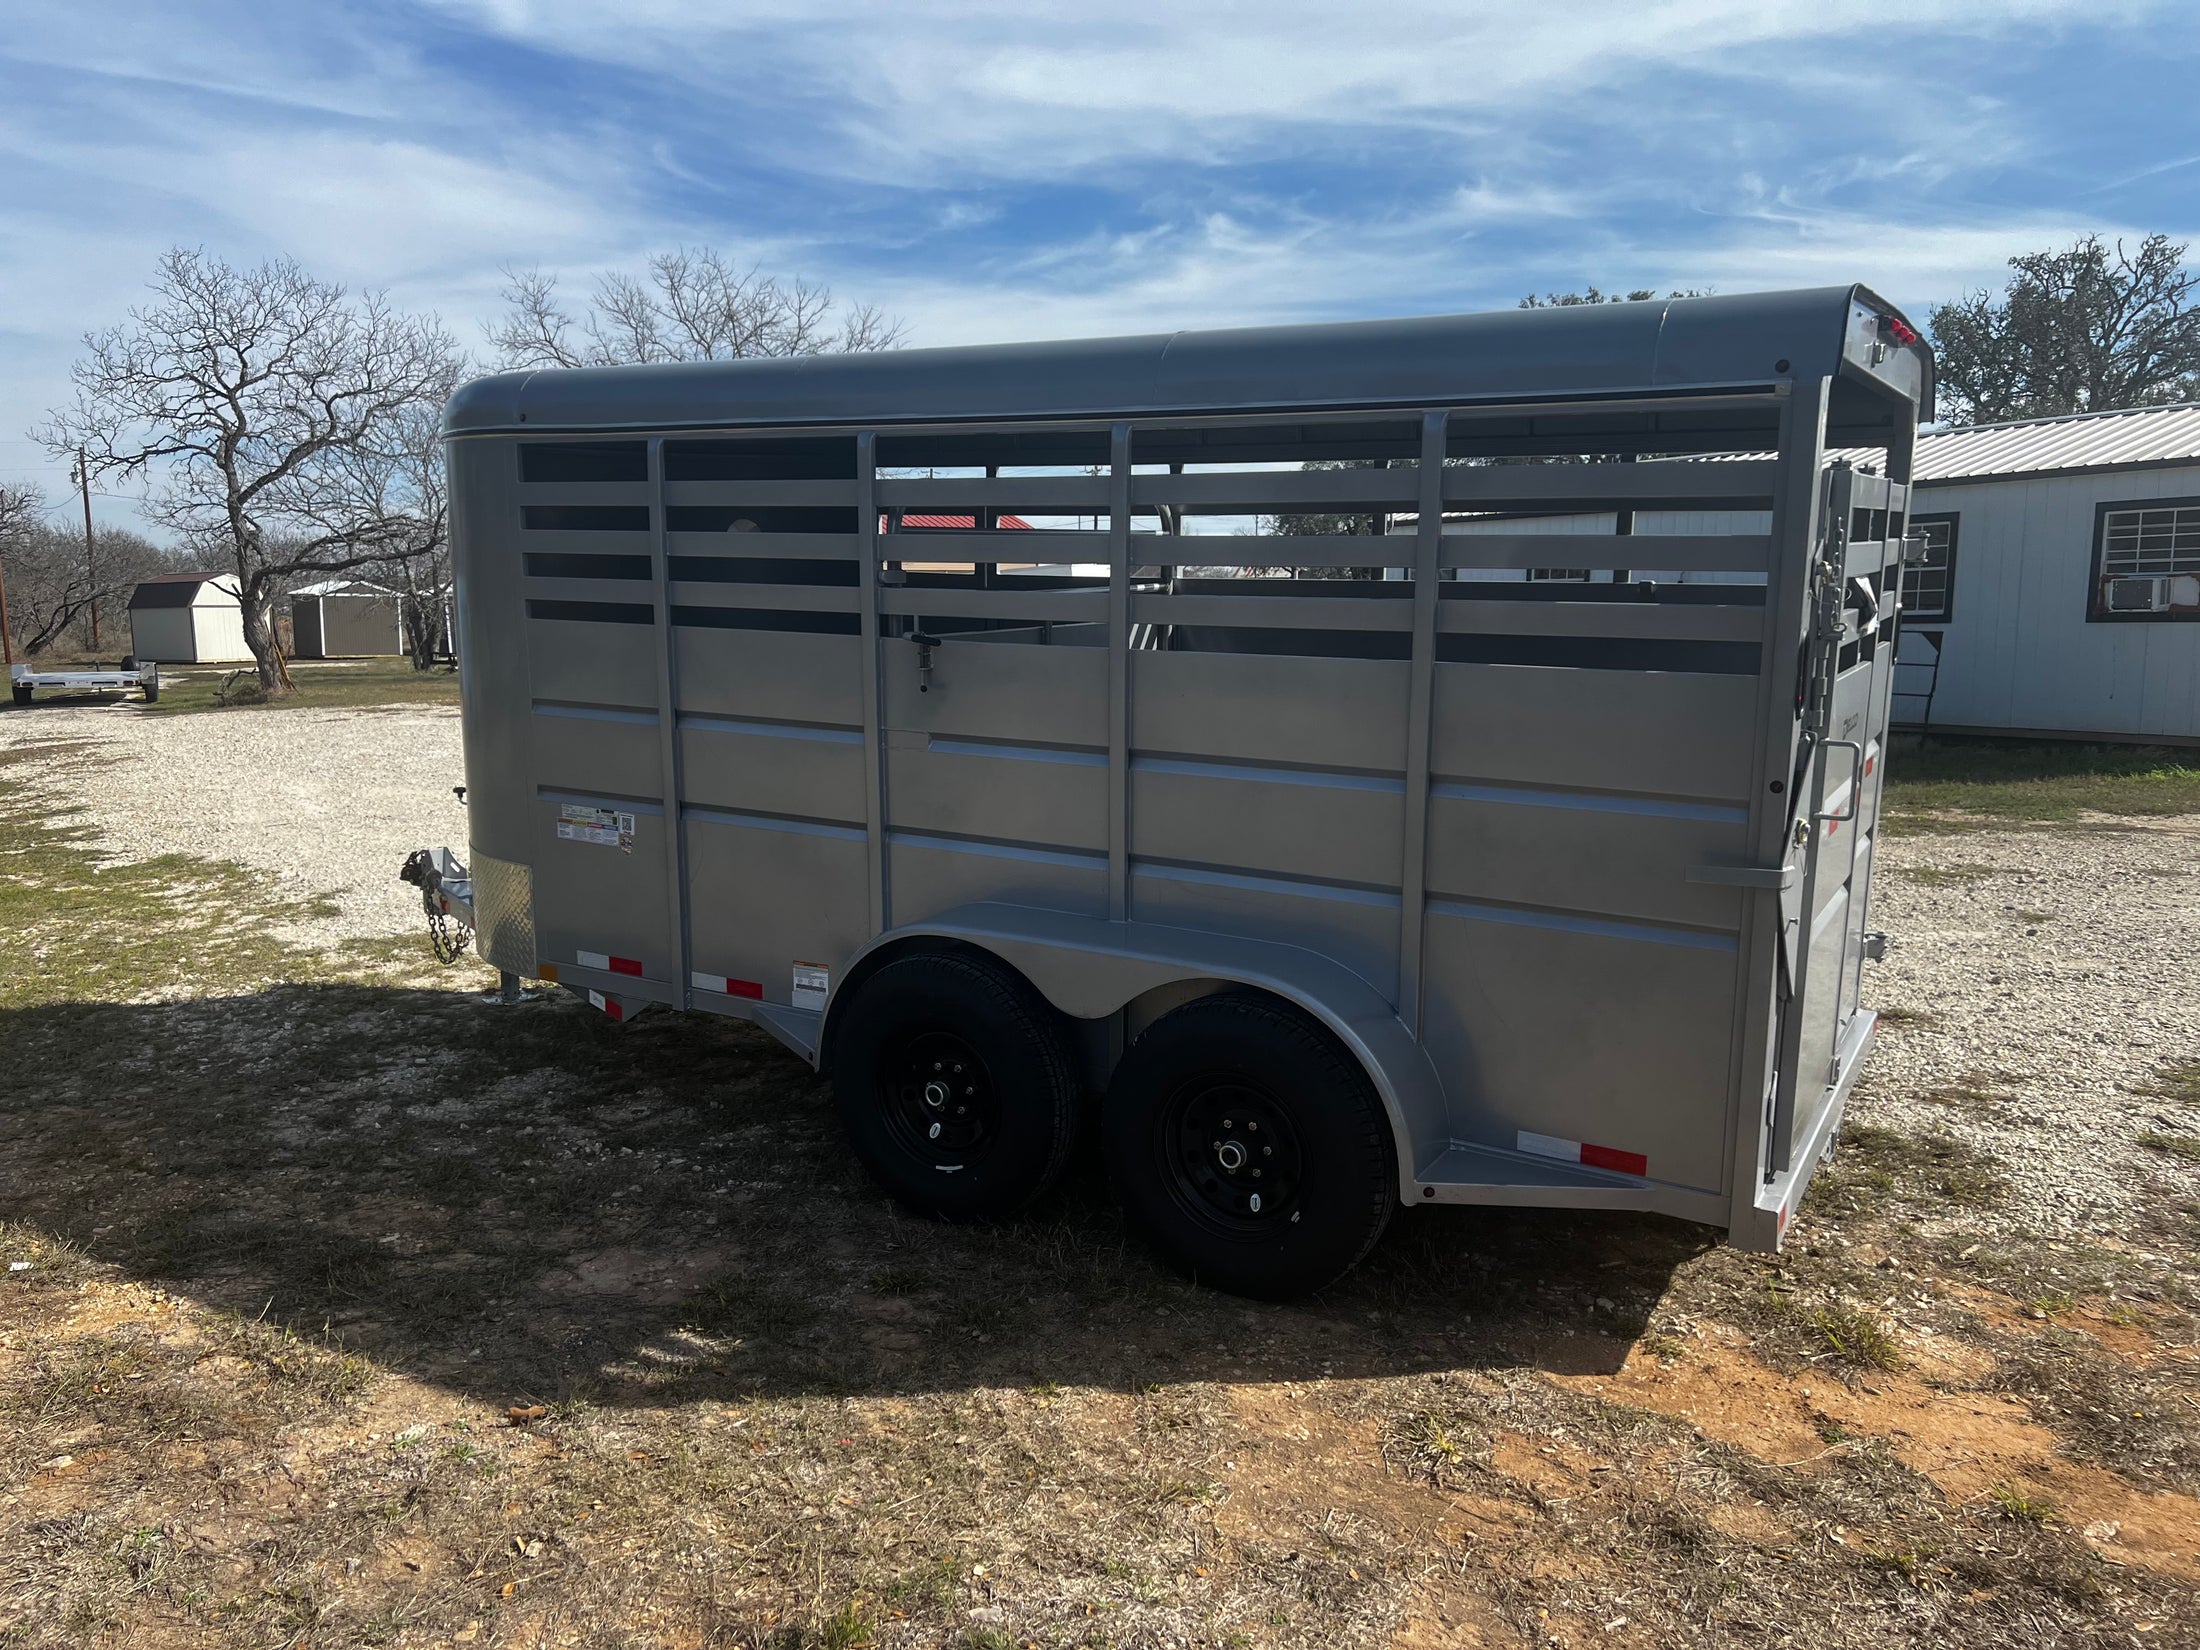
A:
(965, 523)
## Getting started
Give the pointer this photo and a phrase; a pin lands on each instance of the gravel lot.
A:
(323, 801)
(2043, 976)
(2053, 973)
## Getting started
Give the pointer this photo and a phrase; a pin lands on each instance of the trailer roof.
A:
(1668, 347)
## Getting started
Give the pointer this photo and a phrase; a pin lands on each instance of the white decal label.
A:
(811, 985)
(606, 827)
(1546, 1145)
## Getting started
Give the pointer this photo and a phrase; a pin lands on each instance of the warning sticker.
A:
(606, 827)
(811, 986)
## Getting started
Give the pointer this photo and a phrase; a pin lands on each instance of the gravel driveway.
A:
(2043, 976)
(323, 801)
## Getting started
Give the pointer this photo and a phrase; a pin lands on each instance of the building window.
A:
(2146, 560)
(1929, 583)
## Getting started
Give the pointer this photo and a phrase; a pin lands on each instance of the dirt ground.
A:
(340, 1309)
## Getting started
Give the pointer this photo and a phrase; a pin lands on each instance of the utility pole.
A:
(91, 565)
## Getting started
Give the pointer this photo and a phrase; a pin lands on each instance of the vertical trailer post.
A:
(874, 747)
(1428, 542)
(1119, 672)
(668, 738)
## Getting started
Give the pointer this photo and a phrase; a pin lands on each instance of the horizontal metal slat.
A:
(590, 590)
(777, 546)
(1234, 490)
(959, 495)
(1662, 552)
(1063, 606)
(1646, 621)
(1275, 612)
(1677, 485)
(795, 598)
(587, 543)
(761, 494)
(584, 492)
(1010, 544)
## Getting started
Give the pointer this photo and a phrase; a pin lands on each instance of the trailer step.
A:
(1470, 1173)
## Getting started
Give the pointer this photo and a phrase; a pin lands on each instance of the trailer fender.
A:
(1089, 968)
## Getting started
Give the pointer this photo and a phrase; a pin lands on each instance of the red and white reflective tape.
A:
(607, 964)
(610, 1005)
(726, 986)
(1576, 1151)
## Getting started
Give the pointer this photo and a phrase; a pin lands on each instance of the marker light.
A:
(1898, 329)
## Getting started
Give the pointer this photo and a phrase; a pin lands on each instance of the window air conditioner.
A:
(2137, 595)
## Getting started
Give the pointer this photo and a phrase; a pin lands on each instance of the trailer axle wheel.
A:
(957, 1086)
(1250, 1146)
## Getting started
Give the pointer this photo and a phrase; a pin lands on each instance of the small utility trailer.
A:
(126, 675)
(891, 701)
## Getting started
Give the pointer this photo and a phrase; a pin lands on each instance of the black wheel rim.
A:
(939, 1099)
(1231, 1156)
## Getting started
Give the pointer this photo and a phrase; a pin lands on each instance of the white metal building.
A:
(2062, 586)
(2060, 593)
(345, 619)
(188, 619)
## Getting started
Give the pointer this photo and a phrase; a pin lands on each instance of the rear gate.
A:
(1848, 692)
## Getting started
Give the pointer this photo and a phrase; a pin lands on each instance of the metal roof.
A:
(1576, 350)
(178, 589)
(2128, 438)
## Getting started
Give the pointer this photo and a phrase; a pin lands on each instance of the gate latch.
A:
(1875, 946)
(925, 645)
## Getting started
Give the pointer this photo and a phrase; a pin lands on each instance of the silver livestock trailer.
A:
(890, 701)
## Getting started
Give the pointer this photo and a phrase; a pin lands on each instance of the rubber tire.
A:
(151, 690)
(1348, 1187)
(1027, 1051)
(22, 692)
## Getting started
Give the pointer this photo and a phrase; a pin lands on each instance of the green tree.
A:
(2086, 329)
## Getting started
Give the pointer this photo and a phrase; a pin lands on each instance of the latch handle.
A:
(1856, 780)
(925, 645)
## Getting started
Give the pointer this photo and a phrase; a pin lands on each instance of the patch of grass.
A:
(2178, 1081)
(2185, 1147)
(848, 1628)
(1944, 783)
(1896, 1015)
(346, 684)
(2053, 1304)
(1969, 1090)
(1430, 1442)
(2016, 1503)
(1856, 1337)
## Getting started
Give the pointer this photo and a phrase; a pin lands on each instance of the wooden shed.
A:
(188, 619)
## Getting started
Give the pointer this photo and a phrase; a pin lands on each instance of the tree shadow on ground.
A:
(533, 1203)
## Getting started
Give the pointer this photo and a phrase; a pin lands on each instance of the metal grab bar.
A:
(1856, 780)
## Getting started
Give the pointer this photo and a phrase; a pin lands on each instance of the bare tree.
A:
(688, 306)
(400, 480)
(2082, 330)
(19, 508)
(1595, 295)
(236, 401)
(51, 589)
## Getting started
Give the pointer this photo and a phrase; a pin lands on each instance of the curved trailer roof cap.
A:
(1572, 351)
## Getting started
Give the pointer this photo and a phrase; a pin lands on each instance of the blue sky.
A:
(995, 172)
